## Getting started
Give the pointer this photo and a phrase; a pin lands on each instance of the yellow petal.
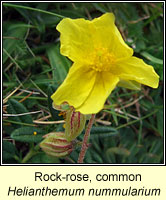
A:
(132, 85)
(75, 37)
(104, 84)
(80, 37)
(136, 69)
(76, 87)
(108, 36)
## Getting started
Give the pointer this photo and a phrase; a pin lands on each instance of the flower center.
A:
(102, 60)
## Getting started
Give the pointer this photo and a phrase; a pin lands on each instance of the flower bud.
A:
(75, 123)
(55, 144)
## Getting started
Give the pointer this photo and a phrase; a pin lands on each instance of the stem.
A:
(28, 156)
(31, 153)
(85, 140)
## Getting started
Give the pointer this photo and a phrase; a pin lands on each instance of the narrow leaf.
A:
(9, 150)
(12, 37)
(16, 107)
(152, 58)
(60, 64)
(27, 134)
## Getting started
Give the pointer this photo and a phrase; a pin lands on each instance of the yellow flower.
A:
(101, 61)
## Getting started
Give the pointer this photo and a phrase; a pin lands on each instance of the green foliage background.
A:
(128, 130)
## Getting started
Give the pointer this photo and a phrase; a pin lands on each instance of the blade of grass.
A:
(20, 123)
(34, 9)
(38, 88)
(36, 98)
(134, 121)
(12, 59)
(116, 114)
(152, 58)
(140, 133)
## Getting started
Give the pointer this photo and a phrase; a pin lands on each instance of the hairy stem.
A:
(85, 140)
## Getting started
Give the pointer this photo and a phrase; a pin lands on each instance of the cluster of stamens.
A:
(102, 60)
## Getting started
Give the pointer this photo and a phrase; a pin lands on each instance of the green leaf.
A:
(13, 35)
(16, 107)
(60, 64)
(9, 150)
(43, 158)
(28, 134)
(103, 131)
(96, 157)
(100, 7)
(54, 112)
(74, 14)
(152, 58)
(133, 85)
(33, 17)
(32, 61)
(160, 121)
(119, 150)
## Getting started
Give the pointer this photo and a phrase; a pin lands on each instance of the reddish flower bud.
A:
(55, 144)
(75, 123)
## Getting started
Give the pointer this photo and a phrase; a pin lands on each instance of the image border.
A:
(104, 164)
